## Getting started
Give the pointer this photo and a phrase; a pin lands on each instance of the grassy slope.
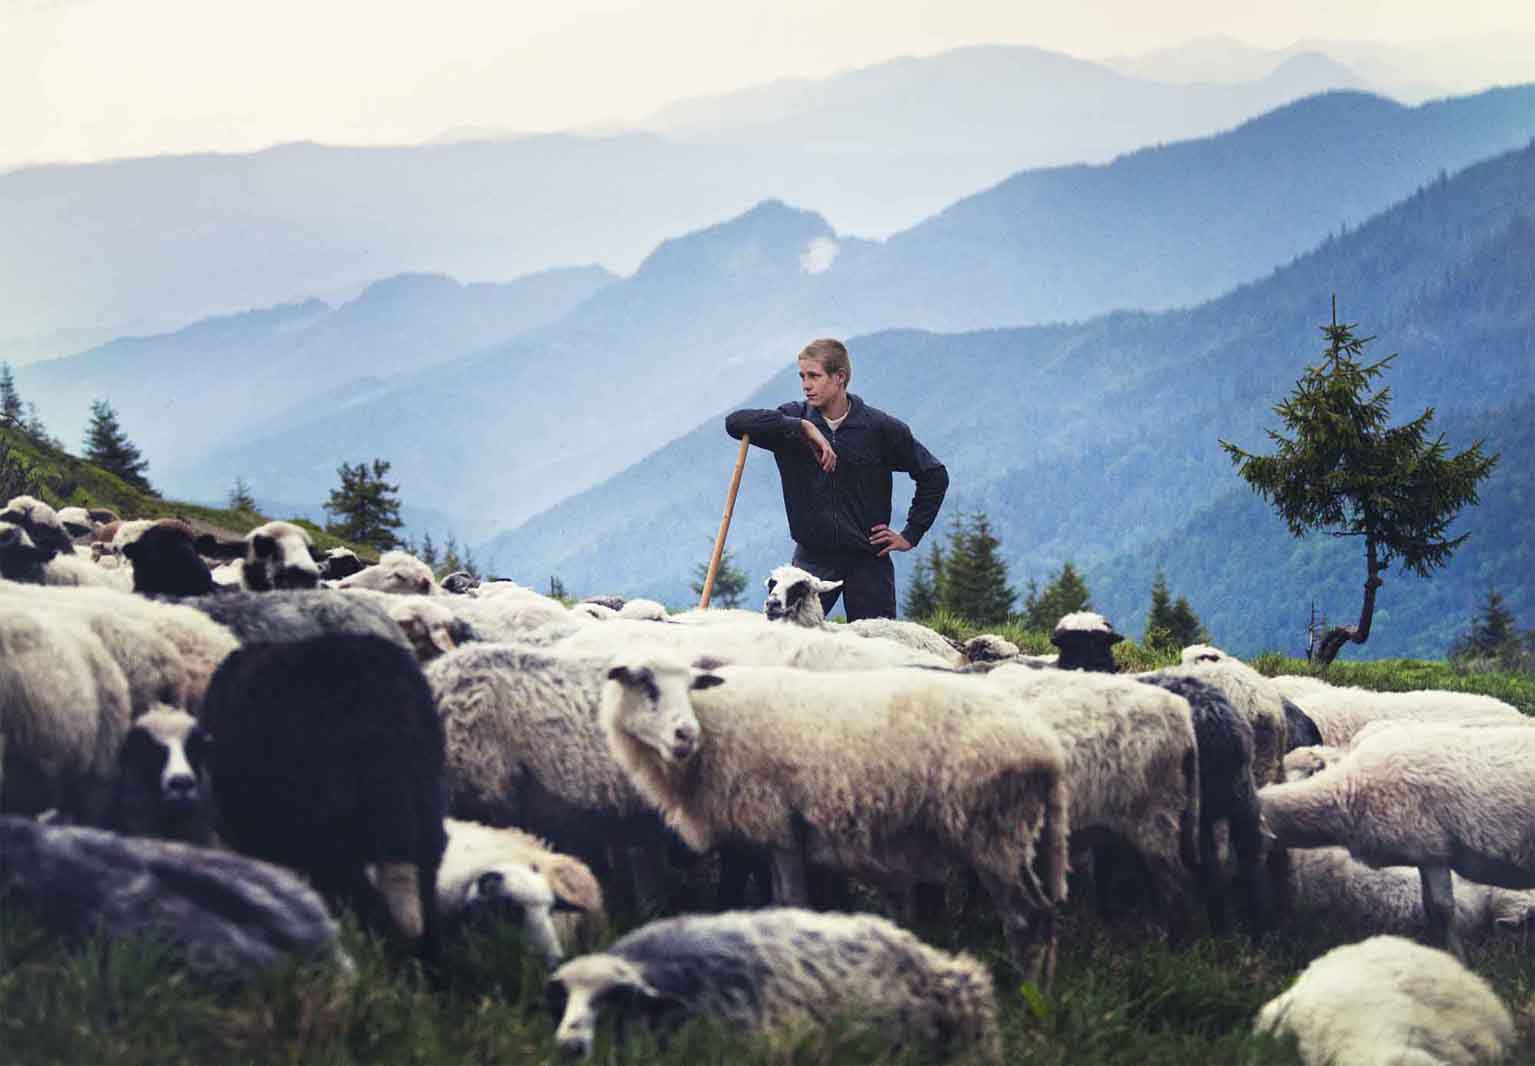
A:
(1121, 998)
(62, 480)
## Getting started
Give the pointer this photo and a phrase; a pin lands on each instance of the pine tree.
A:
(1065, 593)
(108, 447)
(366, 506)
(557, 588)
(34, 428)
(10, 399)
(427, 553)
(923, 594)
(1159, 619)
(1494, 632)
(1186, 627)
(975, 575)
(1345, 469)
(240, 498)
(729, 582)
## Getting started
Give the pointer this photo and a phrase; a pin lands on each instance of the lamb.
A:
(162, 781)
(909, 774)
(1132, 770)
(782, 973)
(1386, 1002)
(1226, 793)
(1436, 797)
(224, 918)
(556, 896)
(1086, 641)
(1341, 712)
(794, 596)
(1329, 888)
(525, 748)
(64, 710)
(329, 757)
(397, 572)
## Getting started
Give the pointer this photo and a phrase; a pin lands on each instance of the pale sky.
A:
(94, 79)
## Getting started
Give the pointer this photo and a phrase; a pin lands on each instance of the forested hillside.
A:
(1092, 442)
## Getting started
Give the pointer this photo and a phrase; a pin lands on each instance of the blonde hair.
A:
(832, 355)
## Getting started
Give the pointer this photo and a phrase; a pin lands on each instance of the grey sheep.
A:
(224, 918)
(782, 973)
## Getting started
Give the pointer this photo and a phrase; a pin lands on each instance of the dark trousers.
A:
(868, 581)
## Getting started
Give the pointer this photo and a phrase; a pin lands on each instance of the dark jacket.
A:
(835, 512)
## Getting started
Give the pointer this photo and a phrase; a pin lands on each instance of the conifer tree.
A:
(427, 553)
(975, 575)
(1159, 618)
(365, 506)
(1346, 470)
(1186, 627)
(924, 594)
(1494, 632)
(10, 399)
(240, 498)
(108, 447)
(557, 588)
(729, 582)
(1065, 593)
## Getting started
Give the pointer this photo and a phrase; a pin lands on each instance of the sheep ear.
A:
(825, 586)
(703, 681)
(263, 546)
(621, 674)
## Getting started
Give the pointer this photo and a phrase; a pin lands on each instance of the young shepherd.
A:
(784, 973)
(1436, 797)
(1389, 1002)
(906, 775)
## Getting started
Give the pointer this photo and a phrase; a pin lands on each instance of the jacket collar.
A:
(855, 412)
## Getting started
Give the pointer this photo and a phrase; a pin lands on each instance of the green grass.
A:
(63, 480)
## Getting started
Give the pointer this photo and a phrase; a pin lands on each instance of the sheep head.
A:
(794, 595)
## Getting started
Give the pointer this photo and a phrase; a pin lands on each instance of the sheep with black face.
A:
(162, 784)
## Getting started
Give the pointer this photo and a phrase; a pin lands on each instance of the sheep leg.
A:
(645, 869)
(1030, 930)
(1211, 887)
(1247, 842)
(789, 887)
(1173, 887)
(1439, 909)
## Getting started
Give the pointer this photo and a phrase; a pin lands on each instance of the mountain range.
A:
(176, 238)
(1099, 442)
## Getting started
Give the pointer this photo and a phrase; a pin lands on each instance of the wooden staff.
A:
(730, 506)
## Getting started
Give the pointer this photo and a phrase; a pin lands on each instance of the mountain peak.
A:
(772, 238)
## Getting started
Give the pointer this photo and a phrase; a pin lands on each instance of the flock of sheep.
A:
(216, 754)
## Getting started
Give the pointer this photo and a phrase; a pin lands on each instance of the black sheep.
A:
(329, 759)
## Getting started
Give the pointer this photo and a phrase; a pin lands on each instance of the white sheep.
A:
(397, 572)
(1330, 889)
(643, 610)
(794, 596)
(1387, 1001)
(64, 710)
(1340, 712)
(1435, 797)
(278, 556)
(486, 867)
(1301, 763)
(1131, 766)
(896, 775)
(1254, 696)
(783, 973)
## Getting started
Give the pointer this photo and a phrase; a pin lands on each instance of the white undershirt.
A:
(836, 423)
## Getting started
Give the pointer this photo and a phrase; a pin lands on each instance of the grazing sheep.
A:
(328, 758)
(222, 917)
(162, 779)
(906, 775)
(1086, 641)
(298, 614)
(1436, 797)
(1341, 712)
(1227, 793)
(782, 973)
(396, 572)
(1254, 696)
(1131, 767)
(525, 748)
(277, 556)
(1389, 1002)
(1330, 889)
(64, 710)
(490, 870)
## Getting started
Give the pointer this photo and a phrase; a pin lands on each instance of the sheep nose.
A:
(488, 885)
(684, 739)
(575, 1047)
(181, 786)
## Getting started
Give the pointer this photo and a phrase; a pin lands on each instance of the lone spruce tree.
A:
(108, 447)
(366, 506)
(729, 582)
(10, 399)
(1344, 469)
(975, 574)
